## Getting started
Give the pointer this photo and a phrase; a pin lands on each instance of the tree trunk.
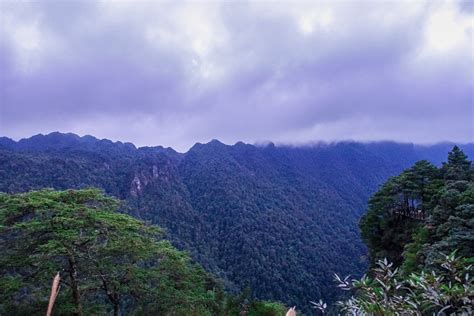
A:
(76, 294)
(113, 297)
(116, 309)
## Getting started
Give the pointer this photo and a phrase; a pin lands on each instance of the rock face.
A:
(136, 187)
(279, 219)
(155, 172)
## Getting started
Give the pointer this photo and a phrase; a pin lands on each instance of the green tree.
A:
(422, 212)
(108, 261)
(458, 166)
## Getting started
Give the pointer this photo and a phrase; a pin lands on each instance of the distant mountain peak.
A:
(216, 142)
(59, 141)
(64, 141)
(6, 142)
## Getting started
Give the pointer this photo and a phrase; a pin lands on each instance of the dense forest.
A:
(423, 213)
(277, 219)
(420, 233)
(106, 262)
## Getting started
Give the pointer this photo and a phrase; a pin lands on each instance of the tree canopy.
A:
(422, 221)
(108, 261)
(423, 212)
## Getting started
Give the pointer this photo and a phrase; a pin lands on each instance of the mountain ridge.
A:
(281, 219)
(25, 143)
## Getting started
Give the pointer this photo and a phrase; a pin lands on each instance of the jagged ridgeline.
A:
(279, 219)
(423, 213)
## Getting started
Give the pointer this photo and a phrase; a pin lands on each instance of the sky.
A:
(176, 73)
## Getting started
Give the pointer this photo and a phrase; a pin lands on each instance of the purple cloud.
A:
(174, 74)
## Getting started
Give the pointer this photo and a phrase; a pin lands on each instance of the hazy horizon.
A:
(257, 144)
(179, 73)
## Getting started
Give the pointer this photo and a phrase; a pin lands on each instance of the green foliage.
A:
(265, 308)
(271, 217)
(108, 261)
(450, 291)
(445, 199)
(412, 260)
(458, 166)
(385, 227)
(425, 281)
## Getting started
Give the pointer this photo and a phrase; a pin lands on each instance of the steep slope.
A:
(279, 219)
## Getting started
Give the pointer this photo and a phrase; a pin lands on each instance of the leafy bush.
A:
(448, 291)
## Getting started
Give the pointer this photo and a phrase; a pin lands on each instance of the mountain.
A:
(279, 219)
(419, 230)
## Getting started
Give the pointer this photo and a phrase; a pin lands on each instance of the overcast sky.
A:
(172, 74)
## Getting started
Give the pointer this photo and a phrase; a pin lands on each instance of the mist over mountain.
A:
(279, 219)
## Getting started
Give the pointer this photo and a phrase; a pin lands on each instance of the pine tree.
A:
(107, 260)
(458, 166)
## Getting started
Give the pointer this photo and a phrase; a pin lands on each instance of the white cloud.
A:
(25, 39)
(448, 29)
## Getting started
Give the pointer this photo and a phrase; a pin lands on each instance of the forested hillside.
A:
(419, 229)
(423, 213)
(104, 263)
(279, 219)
